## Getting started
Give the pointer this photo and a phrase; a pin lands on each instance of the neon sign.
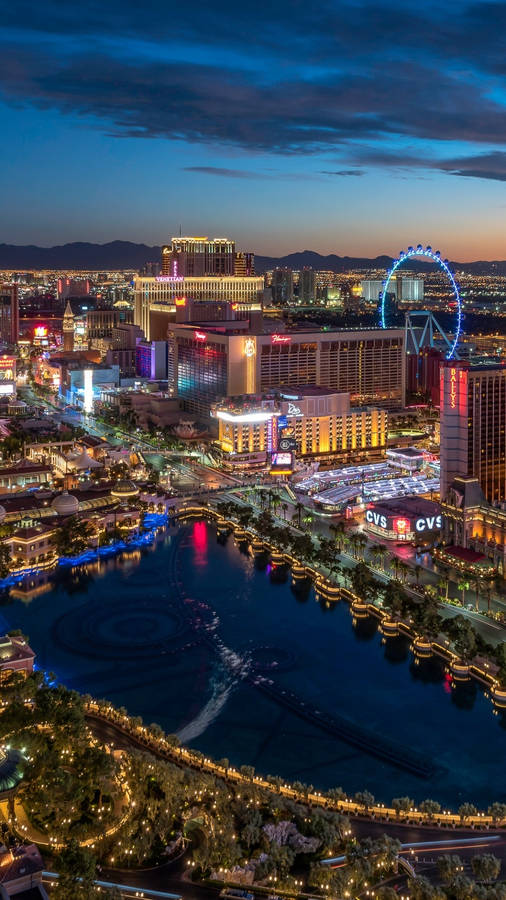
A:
(453, 388)
(200, 336)
(401, 526)
(249, 347)
(375, 518)
(180, 301)
(429, 523)
(40, 331)
(169, 278)
(294, 410)
(280, 338)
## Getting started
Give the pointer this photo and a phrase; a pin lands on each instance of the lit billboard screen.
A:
(281, 463)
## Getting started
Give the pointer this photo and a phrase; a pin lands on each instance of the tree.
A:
(466, 810)
(76, 867)
(362, 581)
(73, 537)
(462, 888)
(463, 586)
(449, 866)
(486, 867)
(5, 560)
(402, 804)
(497, 811)
(430, 807)
(365, 799)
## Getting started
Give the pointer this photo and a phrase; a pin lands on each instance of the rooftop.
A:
(24, 860)
(414, 506)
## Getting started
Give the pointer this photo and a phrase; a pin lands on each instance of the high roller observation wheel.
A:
(434, 256)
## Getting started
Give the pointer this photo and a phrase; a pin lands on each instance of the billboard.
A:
(281, 463)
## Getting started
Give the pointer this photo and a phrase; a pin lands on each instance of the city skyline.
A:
(355, 128)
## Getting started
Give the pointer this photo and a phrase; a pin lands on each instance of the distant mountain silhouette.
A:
(78, 255)
(128, 255)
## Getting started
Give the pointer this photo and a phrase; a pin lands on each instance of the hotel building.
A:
(199, 256)
(156, 299)
(207, 363)
(473, 426)
(9, 313)
(308, 420)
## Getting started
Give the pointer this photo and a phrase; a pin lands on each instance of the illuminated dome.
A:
(125, 490)
(65, 504)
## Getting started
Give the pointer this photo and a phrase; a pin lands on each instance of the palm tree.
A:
(443, 586)
(338, 529)
(395, 563)
(463, 586)
(376, 554)
(308, 518)
(298, 511)
(403, 568)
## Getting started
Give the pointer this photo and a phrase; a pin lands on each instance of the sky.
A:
(343, 126)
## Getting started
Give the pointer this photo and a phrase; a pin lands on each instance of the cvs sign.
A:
(429, 523)
(375, 518)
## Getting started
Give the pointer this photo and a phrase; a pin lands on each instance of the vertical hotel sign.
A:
(456, 396)
(453, 387)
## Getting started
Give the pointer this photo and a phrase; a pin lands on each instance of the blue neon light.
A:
(152, 521)
(443, 263)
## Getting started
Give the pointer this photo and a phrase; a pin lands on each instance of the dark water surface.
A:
(181, 634)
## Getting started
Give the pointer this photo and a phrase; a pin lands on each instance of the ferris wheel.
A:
(443, 264)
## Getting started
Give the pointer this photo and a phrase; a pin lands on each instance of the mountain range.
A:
(129, 255)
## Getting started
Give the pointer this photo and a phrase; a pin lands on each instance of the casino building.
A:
(473, 426)
(207, 363)
(157, 299)
(307, 420)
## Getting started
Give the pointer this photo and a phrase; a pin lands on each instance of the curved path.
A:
(112, 728)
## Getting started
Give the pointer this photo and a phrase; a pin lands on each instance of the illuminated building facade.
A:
(403, 287)
(473, 426)
(470, 522)
(408, 519)
(151, 359)
(9, 313)
(310, 422)
(209, 363)
(8, 376)
(282, 287)
(199, 256)
(68, 328)
(244, 264)
(157, 299)
(73, 287)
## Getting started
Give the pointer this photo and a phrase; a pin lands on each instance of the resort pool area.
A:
(197, 635)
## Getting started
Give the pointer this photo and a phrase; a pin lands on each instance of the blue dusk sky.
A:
(341, 126)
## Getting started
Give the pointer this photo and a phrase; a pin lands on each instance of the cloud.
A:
(343, 172)
(306, 79)
(224, 173)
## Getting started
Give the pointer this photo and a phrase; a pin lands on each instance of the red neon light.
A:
(280, 338)
(200, 336)
(235, 306)
(7, 362)
(401, 526)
